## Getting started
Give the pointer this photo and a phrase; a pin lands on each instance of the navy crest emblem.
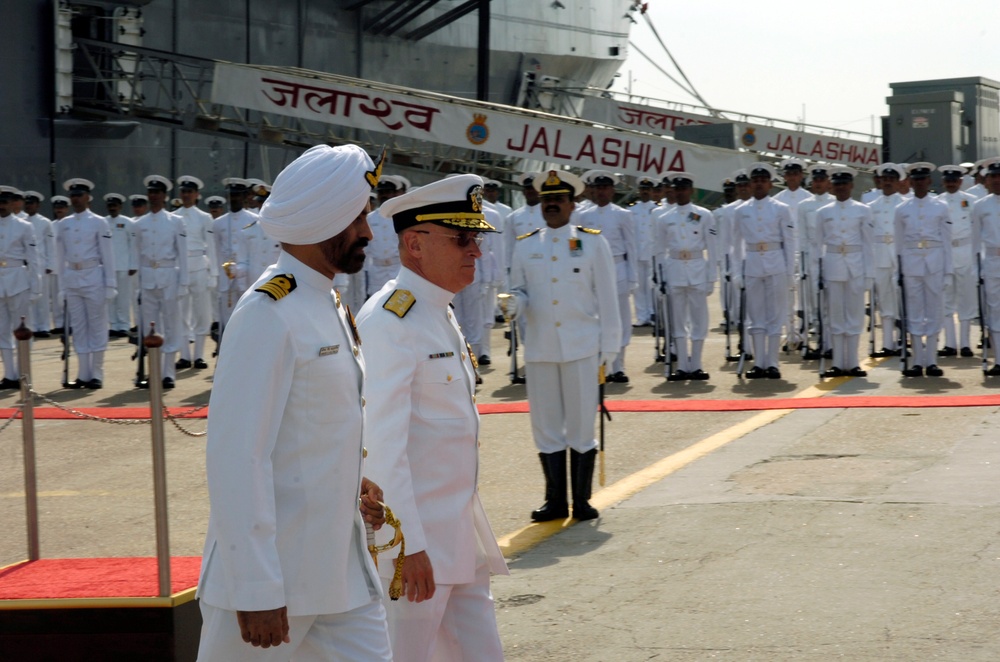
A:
(478, 132)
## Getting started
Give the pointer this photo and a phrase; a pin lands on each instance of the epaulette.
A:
(588, 230)
(528, 234)
(278, 287)
(399, 302)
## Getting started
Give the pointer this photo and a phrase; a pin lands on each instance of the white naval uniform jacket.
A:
(84, 256)
(226, 231)
(884, 224)
(645, 228)
(255, 251)
(685, 241)
(490, 265)
(563, 279)
(45, 242)
(285, 455)
(918, 221)
(121, 241)
(844, 239)
(200, 242)
(520, 222)
(19, 267)
(617, 228)
(986, 234)
(793, 199)
(159, 250)
(960, 212)
(423, 429)
(764, 238)
(381, 253)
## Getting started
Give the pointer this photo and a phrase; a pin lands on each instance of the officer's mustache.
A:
(552, 208)
(360, 243)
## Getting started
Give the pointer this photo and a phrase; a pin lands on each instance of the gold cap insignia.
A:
(476, 198)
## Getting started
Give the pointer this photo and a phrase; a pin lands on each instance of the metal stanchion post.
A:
(23, 335)
(153, 343)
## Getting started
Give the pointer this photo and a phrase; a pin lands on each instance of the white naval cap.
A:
(8, 192)
(819, 170)
(33, 195)
(760, 169)
(681, 179)
(792, 164)
(215, 201)
(319, 194)
(235, 184)
(403, 182)
(157, 183)
(525, 178)
(740, 176)
(78, 185)
(920, 169)
(190, 181)
(114, 197)
(259, 186)
(890, 169)
(389, 183)
(491, 183)
(991, 166)
(59, 201)
(453, 202)
(841, 174)
(557, 182)
(600, 178)
(646, 182)
(951, 171)
(138, 199)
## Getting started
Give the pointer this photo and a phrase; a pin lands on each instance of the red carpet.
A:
(521, 406)
(54, 579)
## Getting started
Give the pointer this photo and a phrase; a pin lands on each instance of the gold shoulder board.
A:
(399, 302)
(526, 235)
(588, 230)
(278, 287)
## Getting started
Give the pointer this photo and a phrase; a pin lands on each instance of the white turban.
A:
(319, 194)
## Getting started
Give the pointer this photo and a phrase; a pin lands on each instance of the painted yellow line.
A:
(524, 539)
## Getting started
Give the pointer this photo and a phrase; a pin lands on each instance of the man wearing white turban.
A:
(286, 573)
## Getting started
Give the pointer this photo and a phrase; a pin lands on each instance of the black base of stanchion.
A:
(150, 634)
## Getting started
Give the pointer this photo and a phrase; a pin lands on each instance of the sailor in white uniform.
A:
(423, 429)
(844, 238)
(40, 318)
(226, 231)
(85, 264)
(886, 283)
(159, 250)
(986, 241)
(961, 290)
(618, 229)
(120, 308)
(685, 240)
(764, 244)
(805, 223)
(20, 281)
(203, 273)
(643, 213)
(923, 240)
(382, 263)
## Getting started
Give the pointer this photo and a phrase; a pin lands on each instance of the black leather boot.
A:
(582, 474)
(556, 507)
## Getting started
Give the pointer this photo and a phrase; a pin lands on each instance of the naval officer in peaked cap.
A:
(45, 237)
(960, 291)
(986, 241)
(286, 573)
(120, 308)
(424, 427)
(197, 305)
(20, 281)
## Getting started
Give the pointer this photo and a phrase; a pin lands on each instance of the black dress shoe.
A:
(94, 384)
(833, 372)
(678, 376)
(142, 383)
(182, 364)
(773, 373)
(828, 354)
(967, 352)
(947, 351)
(913, 371)
(857, 372)
(619, 378)
(42, 334)
(756, 372)
(994, 371)
(518, 380)
(168, 383)
(934, 371)
(199, 364)
(890, 352)
(9, 384)
(811, 355)
(485, 360)
(698, 375)
(58, 330)
(75, 384)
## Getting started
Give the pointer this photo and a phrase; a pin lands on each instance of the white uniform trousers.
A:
(120, 308)
(458, 624)
(489, 319)
(767, 303)
(924, 304)
(845, 307)
(40, 310)
(960, 297)
(196, 315)
(643, 295)
(358, 635)
(12, 309)
(689, 312)
(991, 303)
(625, 312)
(563, 399)
(166, 314)
(887, 300)
(88, 318)
(58, 320)
(469, 313)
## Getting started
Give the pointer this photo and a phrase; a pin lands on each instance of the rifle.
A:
(872, 304)
(726, 285)
(140, 348)
(511, 335)
(742, 321)
(905, 354)
(657, 319)
(603, 413)
(806, 296)
(983, 308)
(819, 318)
(66, 338)
(665, 303)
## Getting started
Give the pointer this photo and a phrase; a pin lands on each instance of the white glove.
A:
(607, 360)
(110, 292)
(508, 306)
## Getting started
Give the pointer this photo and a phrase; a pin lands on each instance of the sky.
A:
(828, 63)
